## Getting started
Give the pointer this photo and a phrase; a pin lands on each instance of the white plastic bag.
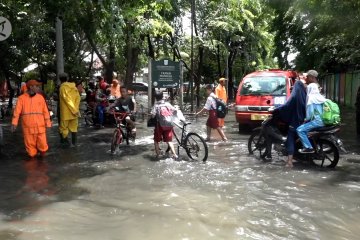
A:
(179, 116)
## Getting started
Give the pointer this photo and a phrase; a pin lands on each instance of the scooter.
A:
(271, 136)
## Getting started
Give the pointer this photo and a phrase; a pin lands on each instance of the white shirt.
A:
(210, 102)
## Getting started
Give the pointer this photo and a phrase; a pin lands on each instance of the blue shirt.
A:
(314, 112)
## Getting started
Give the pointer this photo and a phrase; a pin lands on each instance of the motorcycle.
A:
(91, 114)
(273, 133)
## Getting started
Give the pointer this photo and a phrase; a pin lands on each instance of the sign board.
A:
(5, 28)
(165, 74)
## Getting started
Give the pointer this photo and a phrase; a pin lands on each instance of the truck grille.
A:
(258, 108)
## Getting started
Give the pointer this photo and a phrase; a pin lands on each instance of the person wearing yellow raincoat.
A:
(69, 112)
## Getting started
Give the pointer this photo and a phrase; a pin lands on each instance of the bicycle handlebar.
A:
(119, 116)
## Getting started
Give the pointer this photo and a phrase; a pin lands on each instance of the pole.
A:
(192, 57)
(59, 48)
(181, 86)
(227, 77)
(150, 87)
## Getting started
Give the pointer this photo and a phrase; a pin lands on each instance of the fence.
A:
(342, 87)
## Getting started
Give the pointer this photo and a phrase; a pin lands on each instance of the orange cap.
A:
(32, 83)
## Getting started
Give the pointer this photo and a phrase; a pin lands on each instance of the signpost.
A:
(164, 74)
(5, 28)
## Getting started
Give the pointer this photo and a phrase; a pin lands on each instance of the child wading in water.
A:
(163, 129)
(212, 121)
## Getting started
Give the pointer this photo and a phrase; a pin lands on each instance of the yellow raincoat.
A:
(69, 108)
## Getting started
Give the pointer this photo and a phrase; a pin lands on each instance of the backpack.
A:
(331, 113)
(164, 115)
(221, 108)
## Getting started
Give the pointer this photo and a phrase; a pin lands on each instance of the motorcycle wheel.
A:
(257, 144)
(328, 154)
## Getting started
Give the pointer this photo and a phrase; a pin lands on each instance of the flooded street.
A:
(87, 193)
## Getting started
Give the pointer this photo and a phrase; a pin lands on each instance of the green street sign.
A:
(165, 74)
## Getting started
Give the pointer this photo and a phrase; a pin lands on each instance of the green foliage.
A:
(123, 32)
(325, 33)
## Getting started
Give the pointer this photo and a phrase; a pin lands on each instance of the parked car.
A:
(258, 91)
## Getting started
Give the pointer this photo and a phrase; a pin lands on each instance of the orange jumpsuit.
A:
(220, 92)
(115, 89)
(34, 120)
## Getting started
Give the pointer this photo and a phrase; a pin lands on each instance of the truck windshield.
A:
(264, 86)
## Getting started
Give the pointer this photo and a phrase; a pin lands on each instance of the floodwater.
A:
(87, 193)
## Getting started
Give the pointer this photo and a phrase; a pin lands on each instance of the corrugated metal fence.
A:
(341, 87)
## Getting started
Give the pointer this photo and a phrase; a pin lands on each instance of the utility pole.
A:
(59, 49)
(192, 56)
(227, 75)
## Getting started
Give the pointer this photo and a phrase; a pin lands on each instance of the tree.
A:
(324, 33)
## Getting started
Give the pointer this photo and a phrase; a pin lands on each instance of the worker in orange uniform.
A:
(115, 89)
(220, 92)
(69, 112)
(35, 117)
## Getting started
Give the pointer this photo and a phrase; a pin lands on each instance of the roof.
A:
(273, 72)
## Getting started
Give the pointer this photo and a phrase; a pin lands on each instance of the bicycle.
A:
(122, 131)
(192, 142)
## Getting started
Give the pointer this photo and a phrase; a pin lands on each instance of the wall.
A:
(341, 87)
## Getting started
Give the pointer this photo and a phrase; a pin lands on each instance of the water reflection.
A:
(37, 179)
(87, 193)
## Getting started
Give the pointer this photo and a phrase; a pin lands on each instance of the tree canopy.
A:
(232, 37)
(324, 34)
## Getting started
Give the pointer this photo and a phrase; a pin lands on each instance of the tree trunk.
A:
(11, 97)
(91, 64)
(151, 47)
(199, 74)
(110, 67)
(151, 56)
(218, 60)
(176, 52)
(230, 83)
(132, 59)
(231, 60)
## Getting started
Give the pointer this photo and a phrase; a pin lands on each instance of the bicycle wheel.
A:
(328, 154)
(89, 121)
(257, 144)
(126, 136)
(196, 147)
(116, 140)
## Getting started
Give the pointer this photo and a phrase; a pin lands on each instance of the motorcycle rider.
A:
(292, 113)
(314, 110)
(102, 103)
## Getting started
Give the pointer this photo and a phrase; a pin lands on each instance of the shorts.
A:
(212, 121)
(161, 134)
